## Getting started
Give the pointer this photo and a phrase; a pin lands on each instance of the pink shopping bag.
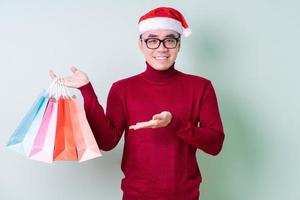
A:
(86, 144)
(43, 146)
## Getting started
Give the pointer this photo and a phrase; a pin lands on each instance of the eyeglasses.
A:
(154, 43)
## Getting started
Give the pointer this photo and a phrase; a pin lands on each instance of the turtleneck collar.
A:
(160, 76)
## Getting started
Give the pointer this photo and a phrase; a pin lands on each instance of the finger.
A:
(132, 127)
(74, 69)
(52, 74)
(165, 113)
(155, 116)
(68, 81)
(158, 117)
(147, 124)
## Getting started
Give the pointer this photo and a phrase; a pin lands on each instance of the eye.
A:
(170, 41)
(152, 41)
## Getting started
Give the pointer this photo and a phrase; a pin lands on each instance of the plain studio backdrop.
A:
(248, 49)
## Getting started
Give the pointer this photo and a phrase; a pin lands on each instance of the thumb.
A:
(156, 117)
(74, 69)
(52, 74)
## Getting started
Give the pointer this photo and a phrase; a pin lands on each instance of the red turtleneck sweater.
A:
(158, 163)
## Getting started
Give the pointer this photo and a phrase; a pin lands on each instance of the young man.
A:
(160, 110)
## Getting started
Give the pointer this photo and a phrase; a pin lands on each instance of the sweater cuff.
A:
(175, 123)
(87, 91)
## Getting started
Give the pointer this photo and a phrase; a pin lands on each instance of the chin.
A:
(161, 67)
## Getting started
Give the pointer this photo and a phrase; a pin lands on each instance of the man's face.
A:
(160, 58)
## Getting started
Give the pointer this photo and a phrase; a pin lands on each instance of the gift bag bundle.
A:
(55, 128)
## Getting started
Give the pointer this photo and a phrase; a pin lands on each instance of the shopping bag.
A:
(64, 147)
(23, 137)
(43, 146)
(86, 144)
(55, 128)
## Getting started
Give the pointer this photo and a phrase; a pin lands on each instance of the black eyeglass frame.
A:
(161, 41)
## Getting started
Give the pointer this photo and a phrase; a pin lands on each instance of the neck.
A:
(160, 76)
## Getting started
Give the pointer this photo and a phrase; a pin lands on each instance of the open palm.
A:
(76, 80)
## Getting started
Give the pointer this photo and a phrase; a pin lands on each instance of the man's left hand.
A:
(158, 120)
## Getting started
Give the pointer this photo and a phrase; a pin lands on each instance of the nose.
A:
(162, 47)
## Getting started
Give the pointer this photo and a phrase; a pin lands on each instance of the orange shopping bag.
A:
(65, 147)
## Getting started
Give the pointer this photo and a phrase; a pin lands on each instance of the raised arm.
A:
(107, 127)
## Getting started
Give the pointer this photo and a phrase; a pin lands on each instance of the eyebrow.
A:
(155, 36)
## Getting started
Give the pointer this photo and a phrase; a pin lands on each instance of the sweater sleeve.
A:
(209, 136)
(107, 128)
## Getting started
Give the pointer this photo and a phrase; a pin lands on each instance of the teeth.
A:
(161, 57)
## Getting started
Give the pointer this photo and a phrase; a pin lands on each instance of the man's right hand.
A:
(76, 80)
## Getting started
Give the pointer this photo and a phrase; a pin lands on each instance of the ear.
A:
(140, 43)
(179, 46)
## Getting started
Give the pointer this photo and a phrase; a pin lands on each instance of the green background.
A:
(248, 49)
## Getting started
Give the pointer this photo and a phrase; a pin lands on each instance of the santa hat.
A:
(164, 18)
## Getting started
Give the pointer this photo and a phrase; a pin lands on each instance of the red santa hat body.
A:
(164, 18)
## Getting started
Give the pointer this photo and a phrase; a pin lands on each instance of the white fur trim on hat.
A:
(161, 23)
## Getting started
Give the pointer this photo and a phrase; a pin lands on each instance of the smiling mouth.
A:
(161, 57)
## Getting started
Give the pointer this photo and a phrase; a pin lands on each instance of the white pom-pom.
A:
(187, 32)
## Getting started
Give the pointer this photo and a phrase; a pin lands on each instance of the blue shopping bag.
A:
(23, 137)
